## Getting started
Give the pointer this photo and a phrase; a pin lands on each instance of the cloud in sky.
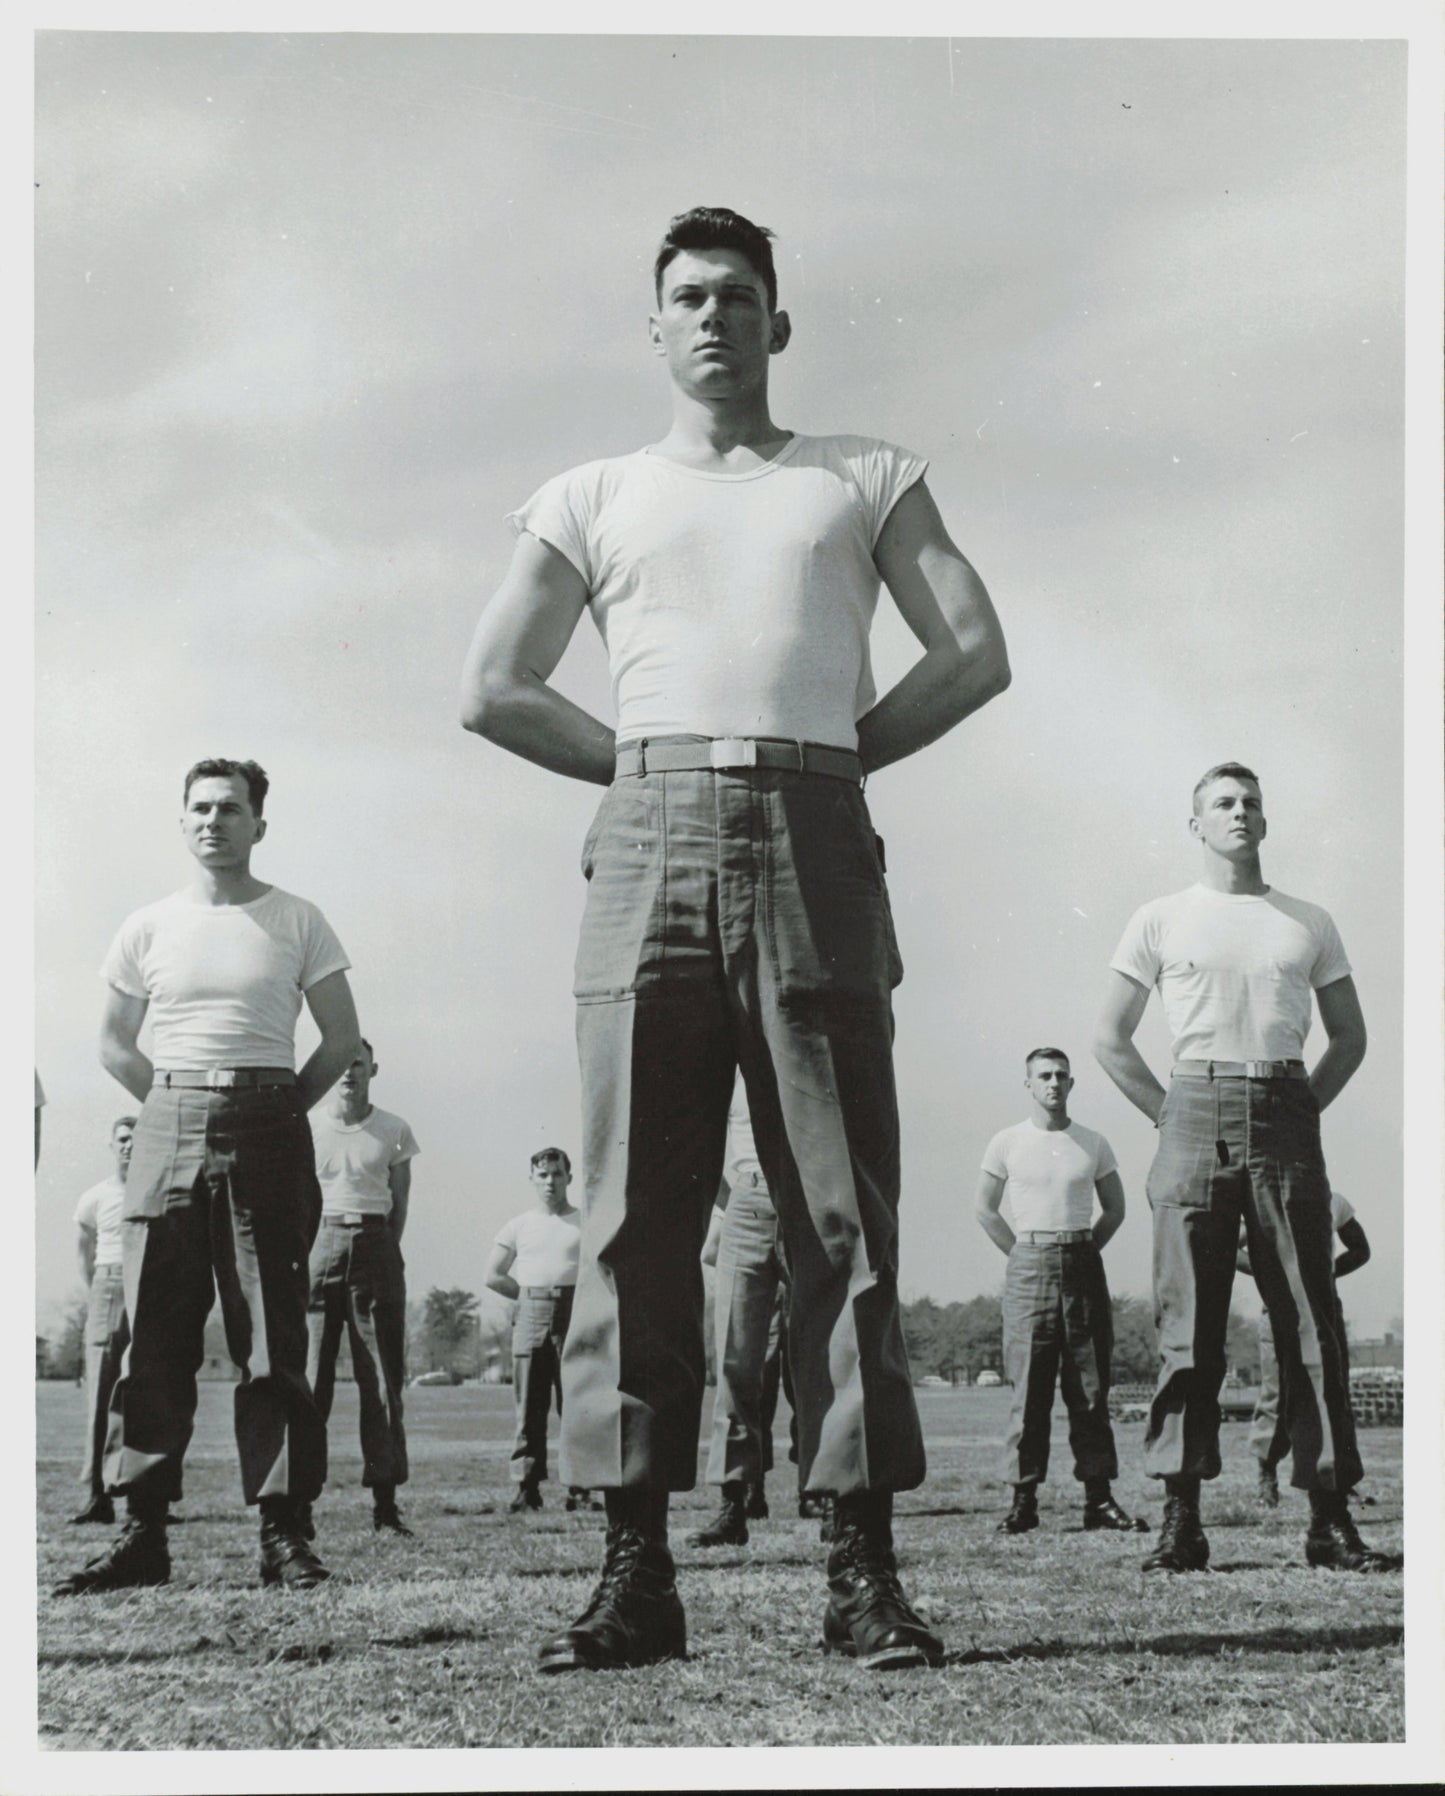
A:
(314, 312)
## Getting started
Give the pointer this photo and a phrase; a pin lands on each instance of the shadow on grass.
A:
(1190, 1646)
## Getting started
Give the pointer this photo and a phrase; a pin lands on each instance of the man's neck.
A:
(349, 1108)
(227, 885)
(1239, 879)
(555, 1209)
(713, 432)
(1050, 1119)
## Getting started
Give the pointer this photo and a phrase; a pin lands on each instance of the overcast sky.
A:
(314, 312)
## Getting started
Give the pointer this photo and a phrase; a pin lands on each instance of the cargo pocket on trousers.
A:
(622, 864)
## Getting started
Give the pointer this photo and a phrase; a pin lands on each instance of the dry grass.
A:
(1054, 1637)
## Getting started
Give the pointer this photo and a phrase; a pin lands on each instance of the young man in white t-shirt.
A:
(533, 1263)
(358, 1277)
(736, 913)
(98, 1251)
(1058, 1326)
(221, 1198)
(1239, 1137)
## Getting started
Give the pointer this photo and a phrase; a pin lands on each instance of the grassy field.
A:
(1054, 1637)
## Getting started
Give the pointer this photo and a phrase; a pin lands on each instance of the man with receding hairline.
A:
(1235, 962)
(736, 915)
(221, 1198)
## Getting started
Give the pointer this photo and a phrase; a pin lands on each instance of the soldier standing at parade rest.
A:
(1235, 962)
(222, 1194)
(1057, 1321)
(358, 1277)
(736, 914)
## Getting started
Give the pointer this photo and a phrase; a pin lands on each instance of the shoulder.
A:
(593, 481)
(1091, 1141)
(1313, 917)
(1003, 1141)
(150, 917)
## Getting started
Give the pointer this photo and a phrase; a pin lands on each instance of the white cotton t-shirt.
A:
(732, 604)
(546, 1247)
(102, 1209)
(224, 981)
(354, 1160)
(1234, 971)
(1051, 1173)
(1341, 1210)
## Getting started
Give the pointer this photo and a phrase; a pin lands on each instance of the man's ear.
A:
(780, 333)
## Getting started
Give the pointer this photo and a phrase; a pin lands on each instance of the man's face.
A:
(1230, 818)
(713, 325)
(551, 1179)
(219, 825)
(1049, 1083)
(356, 1080)
(120, 1143)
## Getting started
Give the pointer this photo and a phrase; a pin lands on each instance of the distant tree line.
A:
(957, 1341)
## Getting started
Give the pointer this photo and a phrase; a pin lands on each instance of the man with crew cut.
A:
(1058, 1325)
(222, 1196)
(1235, 962)
(736, 915)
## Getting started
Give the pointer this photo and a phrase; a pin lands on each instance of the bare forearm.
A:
(505, 1286)
(399, 1206)
(1126, 1066)
(997, 1230)
(330, 1060)
(1336, 1067)
(127, 1065)
(937, 692)
(528, 718)
(1107, 1226)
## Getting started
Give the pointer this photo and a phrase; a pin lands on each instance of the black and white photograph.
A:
(736, 900)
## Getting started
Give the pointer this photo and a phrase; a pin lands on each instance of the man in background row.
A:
(1268, 1441)
(533, 1264)
(358, 1277)
(222, 1193)
(1236, 963)
(1058, 1324)
(98, 1249)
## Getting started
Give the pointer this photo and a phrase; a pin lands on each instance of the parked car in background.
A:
(988, 1376)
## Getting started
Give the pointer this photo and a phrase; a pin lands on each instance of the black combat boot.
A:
(868, 1617)
(635, 1616)
(1101, 1511)
(1333, 1542)
(1024, 1512)
(385, 1516)
(1183, 1546)
(139, 1555)
(729, 1527)
(286, 1556)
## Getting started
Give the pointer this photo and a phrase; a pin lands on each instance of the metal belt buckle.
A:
(732, 751)
(1260, 1069)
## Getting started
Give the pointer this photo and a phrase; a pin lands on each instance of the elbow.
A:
(1104, 1046)
(1000, 674)
(486, 699)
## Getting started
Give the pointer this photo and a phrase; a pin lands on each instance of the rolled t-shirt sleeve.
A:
(1330, 962)
(1106, 1161)
(506, 1236)
(407, 1147)
(994, 1161)
(321, 952)
(884, 472)
(1137, 955)
(87, 1210)
(122, 966)
(557, 514)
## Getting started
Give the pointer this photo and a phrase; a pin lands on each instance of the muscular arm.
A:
(496, 1277)
(1344, 1023)
(946, 606)
(119, 1026)
(1114, 1044)
(85, 1252)
(1110, 1192)
(518, 642)
(334, 1014)
(986, 1208)
(399, 1178)
(1356, 1244)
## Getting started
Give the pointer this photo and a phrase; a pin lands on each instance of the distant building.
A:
(1389, 1351)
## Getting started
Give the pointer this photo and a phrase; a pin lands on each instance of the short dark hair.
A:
(216, 768)
(124, 1122)
(549, 1154)
(1226, 770)
(1045, 1054)
(718, 227)
(370, 1051)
